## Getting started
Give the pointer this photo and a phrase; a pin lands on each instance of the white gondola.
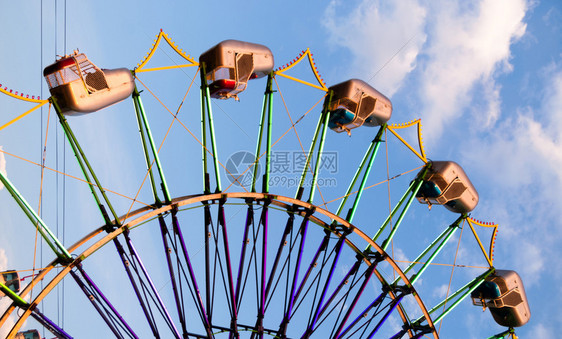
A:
(230, 64)
(503, 293)
(447, 184)
(81, 87)
(355, 103)
(11, 279)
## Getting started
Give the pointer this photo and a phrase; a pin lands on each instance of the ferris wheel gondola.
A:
(81, 87)
(355, 103)
(230, 64)
(504, 295)
(447, 184)
(11, 280)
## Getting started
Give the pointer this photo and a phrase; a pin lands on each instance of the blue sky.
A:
(484, 76)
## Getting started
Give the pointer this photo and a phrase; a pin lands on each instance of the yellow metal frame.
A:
(490, 254)
(281, 71)
(43, 102)
(150, 54)
(421, 153)
(24, 97)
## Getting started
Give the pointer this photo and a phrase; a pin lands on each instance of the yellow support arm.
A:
(490, 254)
(162, 35)
(43, 102)
(421, 153)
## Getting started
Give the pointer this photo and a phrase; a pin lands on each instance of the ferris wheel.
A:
(238, 234)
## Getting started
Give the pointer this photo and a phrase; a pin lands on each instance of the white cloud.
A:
(385, 38)
(526, 151)
(400, 257)
(540, 331)
(467, 46)
(448, 49)
(441, 291)
(2, 165)
(3, 260)
(521, 167)
(531, 263)
(552, 105)
(4, 304)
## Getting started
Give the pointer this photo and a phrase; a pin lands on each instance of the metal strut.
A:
(370, 155)
(196, 294)
(293, 290)
(87, 170)
(207, 113)
(439, 243)
(150, 147)
(407, 200)
(51, 240)
(267, 107)
(106, 310)
(456, 297)
(35, 313)
(320, 130)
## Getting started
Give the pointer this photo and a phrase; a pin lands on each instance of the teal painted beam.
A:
(18, 301)
(141, 117)
(458, 296)
(37, 222)
(376, 144)
(269, 132)
(85, 166)
(325, 116)
(206, 103)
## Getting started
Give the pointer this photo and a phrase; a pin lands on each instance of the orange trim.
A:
(281, 70)
(421, 153)
(21, 96)
(144, 61)
(490, 254)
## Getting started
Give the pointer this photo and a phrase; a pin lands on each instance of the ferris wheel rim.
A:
(147, 212)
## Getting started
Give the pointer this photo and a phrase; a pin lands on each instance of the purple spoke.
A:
(102, 296)
(207, 217)
(50, 325)
(249, 220)
(326, 286)
(222, 223)
(167, 250)
(353, 270)
(393, 305)
(288, 228)
(155, 293)
(288, 312)
(368, 275)
(375, 302)
(204, 316)
(261, 313)
(311, 266)
(265, 292)
(149, 316)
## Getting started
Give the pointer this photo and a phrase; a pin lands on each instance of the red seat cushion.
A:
(221, 86)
